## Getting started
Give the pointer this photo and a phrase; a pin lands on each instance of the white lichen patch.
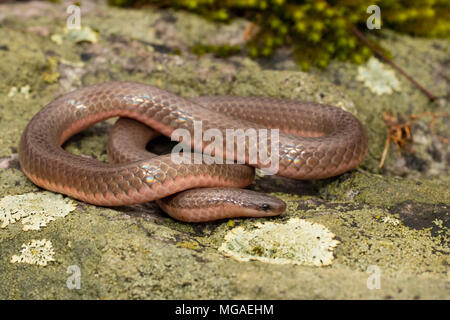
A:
(82, 34)
(76, 35)
(378, 78)
(23, 91)
(295, 242)
(392, 221)
(38, 252)
(35, 210)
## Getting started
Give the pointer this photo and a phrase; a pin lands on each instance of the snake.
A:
(315, 141)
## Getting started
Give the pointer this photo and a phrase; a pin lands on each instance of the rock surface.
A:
(392, 223)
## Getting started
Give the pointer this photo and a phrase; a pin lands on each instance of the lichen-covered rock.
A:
(397, 225)
(293, 242)
(35, 210)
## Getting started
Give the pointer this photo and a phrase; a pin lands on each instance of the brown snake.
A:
(316, 141)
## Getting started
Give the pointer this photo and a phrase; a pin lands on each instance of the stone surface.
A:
(387, 224)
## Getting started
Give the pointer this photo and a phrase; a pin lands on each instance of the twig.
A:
(362, 37)
(399, 131)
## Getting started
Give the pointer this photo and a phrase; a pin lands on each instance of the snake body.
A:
(316, 141)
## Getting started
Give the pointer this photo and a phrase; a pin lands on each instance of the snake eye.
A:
(265, 207)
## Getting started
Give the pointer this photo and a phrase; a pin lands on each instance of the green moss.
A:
(318, 31)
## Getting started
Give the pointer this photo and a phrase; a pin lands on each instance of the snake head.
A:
(207, 204)
(261, 205)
